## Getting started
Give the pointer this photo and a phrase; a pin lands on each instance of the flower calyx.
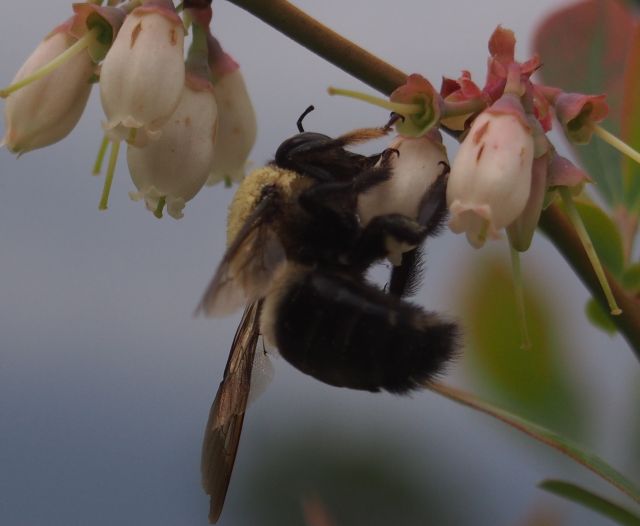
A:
(417, 91)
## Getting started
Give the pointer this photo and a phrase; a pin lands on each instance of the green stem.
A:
(519, 293)
(108, 180)
(557, 227)
(97, 166)
(80, 45)
(575, 218)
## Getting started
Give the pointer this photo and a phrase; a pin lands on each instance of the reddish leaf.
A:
(584, 48)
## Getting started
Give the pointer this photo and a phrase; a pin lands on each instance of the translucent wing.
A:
(247, 267)
(222, 433)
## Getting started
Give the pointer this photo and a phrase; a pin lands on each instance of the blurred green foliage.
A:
(584, 497)
(533, 383)
(358, 480)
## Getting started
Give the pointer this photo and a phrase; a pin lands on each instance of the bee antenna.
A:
(304, 114)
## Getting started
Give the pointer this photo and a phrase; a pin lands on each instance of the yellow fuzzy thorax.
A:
(250, 189)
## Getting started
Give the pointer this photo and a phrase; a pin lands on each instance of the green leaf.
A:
(631, 278)
(532, 382)
(544, 435)
(584, 48)
(590, 500)
(630, 129)
(605, 235)
(599, 317)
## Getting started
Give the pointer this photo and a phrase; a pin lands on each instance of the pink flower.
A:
(490, 177)
(46, 110)
(578, 113)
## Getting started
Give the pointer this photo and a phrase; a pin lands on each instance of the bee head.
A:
(292, 151)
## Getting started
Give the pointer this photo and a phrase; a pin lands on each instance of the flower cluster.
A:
(184, 121)
(506, 169)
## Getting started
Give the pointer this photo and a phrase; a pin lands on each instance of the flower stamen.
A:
(516, 270)
(108, 180)
(97, 166)
(406, 110)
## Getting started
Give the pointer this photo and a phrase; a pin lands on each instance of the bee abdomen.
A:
(350, 334)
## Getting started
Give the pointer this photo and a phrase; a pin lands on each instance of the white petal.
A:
(45, 111)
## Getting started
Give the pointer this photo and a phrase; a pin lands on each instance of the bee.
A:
(297, 260)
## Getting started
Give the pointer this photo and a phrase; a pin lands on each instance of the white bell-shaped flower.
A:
(417, 165)
(236, 128)
(46, 110)
(143, 74)
(173, 168)
(490, 177)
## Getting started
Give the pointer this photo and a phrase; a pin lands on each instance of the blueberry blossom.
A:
(490, 177)
(236, 118)
(50, 91)
(416, 166)
(143, 74)
(173, 168)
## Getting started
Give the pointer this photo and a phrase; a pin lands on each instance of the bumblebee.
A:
(297, 258)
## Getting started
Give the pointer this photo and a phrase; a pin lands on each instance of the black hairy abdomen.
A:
(348, 333)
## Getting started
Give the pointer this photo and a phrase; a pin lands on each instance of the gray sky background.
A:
(106, 378)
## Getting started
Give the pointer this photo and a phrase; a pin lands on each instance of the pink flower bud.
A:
(490, 178)
(461, 90)
(562, 172)
(177, 164)
(45, 111)
(578, 113)
(143, 73)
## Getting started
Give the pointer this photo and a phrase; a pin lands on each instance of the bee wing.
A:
(247, 266)
(224, 426)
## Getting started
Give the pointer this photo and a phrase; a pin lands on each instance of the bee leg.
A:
(319, 196)
(373, 176)
(319, 202)
(359, 136)
(432, 212)
(387, 236)
(393, 119)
